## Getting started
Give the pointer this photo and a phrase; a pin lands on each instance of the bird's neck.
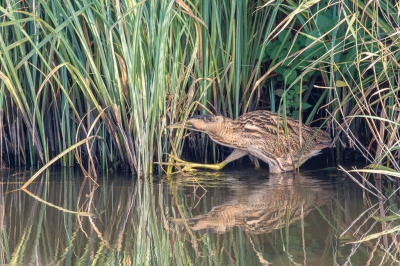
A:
(221, 132)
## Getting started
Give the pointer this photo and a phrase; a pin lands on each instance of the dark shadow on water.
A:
(240, 216)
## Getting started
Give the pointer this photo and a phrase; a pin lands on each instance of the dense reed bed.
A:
(96, 82)
(366, 110)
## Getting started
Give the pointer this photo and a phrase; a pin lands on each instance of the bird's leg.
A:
(236, 154)
(255, 161)
(189, 166)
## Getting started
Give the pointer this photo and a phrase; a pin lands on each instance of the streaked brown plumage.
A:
(262, 135)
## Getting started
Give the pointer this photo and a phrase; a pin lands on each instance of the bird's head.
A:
(202, 123)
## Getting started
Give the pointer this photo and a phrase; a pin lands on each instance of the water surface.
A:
(233, 217)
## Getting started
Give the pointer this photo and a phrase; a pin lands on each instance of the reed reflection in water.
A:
(228, 218)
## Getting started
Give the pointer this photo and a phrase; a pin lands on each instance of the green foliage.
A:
(293, 101)
(120, 72)
(90, 69)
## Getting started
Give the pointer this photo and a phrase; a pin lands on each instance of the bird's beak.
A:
(180, 125)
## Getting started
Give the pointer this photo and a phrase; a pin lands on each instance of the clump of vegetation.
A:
(99, 82)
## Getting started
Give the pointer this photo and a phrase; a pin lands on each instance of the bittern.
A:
(261, 134)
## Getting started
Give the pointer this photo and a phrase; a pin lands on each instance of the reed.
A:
(114, 70)
(118, 72)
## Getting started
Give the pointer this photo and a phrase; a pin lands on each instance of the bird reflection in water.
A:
(261, 208)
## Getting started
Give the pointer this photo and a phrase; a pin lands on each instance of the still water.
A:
(233, 217)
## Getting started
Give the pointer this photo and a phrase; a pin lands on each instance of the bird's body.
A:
(262, 134)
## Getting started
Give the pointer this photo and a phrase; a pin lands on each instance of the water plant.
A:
(115, 73)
